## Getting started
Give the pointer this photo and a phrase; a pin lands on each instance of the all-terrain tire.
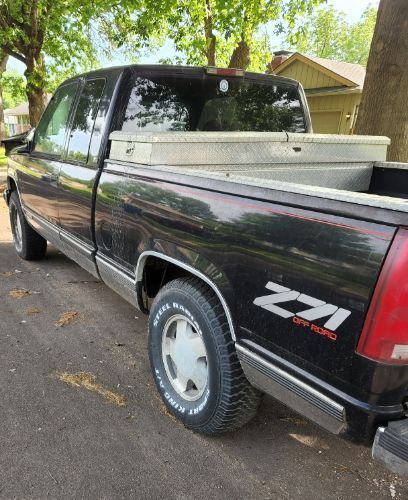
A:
(28, 243)
(226, 401)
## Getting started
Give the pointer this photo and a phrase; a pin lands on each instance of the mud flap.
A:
(391, 446)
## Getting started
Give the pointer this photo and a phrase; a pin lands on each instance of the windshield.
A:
(211, 103)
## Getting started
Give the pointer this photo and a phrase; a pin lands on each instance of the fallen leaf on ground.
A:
(294, 420)
(164, 410)
(19, 293)
(7, 273)
(344, 469)
(88, 381)
(33, 310)
(311, 441)
(67, 317)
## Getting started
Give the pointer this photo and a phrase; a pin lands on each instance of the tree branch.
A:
(8, 50)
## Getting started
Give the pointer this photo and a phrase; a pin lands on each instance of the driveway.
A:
(80, 416)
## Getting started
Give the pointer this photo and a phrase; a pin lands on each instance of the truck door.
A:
(79, 170)
(40, 169)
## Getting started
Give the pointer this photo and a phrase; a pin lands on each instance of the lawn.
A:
(3, 159)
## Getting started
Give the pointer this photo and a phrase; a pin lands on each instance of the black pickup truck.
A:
(269, 259)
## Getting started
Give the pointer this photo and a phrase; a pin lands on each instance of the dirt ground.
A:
(80, 416)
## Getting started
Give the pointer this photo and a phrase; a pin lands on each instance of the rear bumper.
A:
(391, 446)
(332, 409)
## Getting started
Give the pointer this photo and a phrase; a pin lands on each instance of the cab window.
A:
(84, 120)
(163, 103)
(50, 133)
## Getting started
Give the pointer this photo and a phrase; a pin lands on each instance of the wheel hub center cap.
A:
(184, 357)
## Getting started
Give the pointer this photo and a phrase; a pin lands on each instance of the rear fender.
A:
(197, 266)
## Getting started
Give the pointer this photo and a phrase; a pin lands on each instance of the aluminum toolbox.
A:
(334, 161)
(240, 148)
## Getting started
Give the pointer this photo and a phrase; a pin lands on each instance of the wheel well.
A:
(12, 184)
(11, 187)
(157, 273)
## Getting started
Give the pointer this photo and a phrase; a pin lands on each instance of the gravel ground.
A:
(110, 436)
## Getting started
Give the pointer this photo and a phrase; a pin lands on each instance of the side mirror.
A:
(30, 136)
(21, 141)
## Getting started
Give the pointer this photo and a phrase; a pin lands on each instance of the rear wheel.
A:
(28, 243)
(194, 361)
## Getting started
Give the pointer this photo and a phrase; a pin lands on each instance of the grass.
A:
(3, 159)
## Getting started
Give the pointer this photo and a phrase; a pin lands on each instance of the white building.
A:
(16, 119)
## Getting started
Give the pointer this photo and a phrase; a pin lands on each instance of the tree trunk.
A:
(240, 57)
(3, 64)
(384, 104)
(34, 73)
(210, 38)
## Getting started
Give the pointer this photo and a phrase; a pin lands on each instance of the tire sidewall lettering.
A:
(179, 308)
(185, 409)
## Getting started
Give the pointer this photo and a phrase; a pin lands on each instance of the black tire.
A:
(228, 400)
(28, 243)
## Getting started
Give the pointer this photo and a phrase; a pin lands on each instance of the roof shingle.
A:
(354, 72)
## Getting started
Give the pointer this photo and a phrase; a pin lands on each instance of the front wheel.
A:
(194, 361)
(28, 243)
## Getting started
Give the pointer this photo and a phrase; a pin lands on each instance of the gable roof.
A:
(348, 74)
(22, 109)
(353, 72)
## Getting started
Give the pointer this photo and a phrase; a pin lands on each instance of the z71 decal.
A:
(318, 309)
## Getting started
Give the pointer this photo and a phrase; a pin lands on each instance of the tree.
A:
(14, 89)
(384, 104)
(216, 32)
(322, 33)
(356, 40)
(22, 36)
(57, 31)
(3, 64)
(326, 33)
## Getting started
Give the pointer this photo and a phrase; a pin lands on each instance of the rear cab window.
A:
(162, 103)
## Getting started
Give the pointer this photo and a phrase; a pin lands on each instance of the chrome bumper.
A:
(391, 446)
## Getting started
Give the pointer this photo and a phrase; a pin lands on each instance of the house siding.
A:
(344, 103)
(336, 106)
(309, 77)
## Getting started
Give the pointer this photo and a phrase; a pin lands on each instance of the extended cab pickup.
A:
(268, 258)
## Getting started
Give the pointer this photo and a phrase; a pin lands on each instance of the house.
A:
(17, 120)
(333, 89)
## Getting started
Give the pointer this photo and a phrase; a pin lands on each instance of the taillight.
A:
(385, 333)
(224, 71)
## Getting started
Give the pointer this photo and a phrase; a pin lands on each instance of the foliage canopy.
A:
(327, 34)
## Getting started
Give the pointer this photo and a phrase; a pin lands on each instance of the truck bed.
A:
(349, 169)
